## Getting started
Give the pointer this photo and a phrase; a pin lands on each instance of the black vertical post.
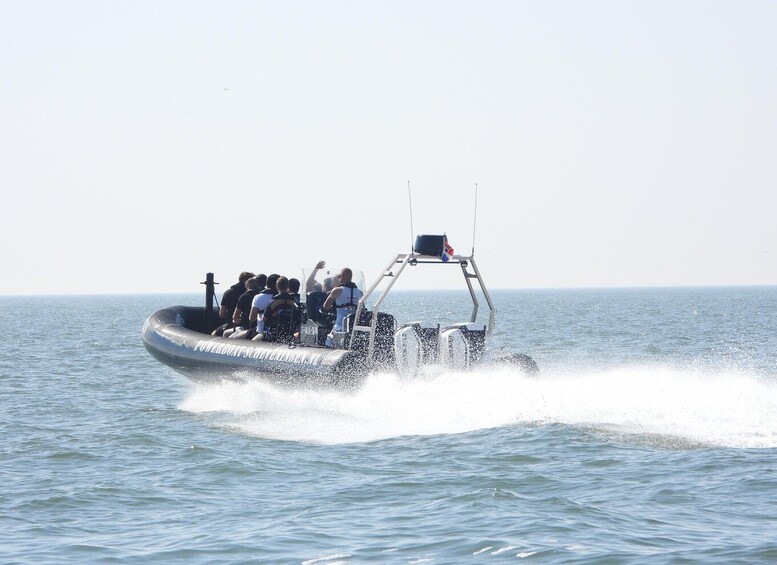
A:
(210, 298)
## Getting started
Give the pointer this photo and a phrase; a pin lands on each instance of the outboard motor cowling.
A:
(416, 344)
(461, 345)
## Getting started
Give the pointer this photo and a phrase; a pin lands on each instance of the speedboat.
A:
(314, 353)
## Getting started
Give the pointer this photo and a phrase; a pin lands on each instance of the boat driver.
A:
(344, 298)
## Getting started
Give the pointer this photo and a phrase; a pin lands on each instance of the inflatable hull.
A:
(171, 336)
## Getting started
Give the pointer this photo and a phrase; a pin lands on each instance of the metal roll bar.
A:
(405, 259)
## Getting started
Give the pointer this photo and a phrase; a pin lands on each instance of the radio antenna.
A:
(410, 202)
(475, 221)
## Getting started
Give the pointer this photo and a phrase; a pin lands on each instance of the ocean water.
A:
(650, 436)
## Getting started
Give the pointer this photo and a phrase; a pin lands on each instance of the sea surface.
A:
(650, 436)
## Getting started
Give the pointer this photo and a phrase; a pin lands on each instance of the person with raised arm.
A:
(311, 285)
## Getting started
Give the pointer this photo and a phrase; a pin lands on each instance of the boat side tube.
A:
(203, 357)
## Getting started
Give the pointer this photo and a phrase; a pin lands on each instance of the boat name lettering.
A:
(275, 354)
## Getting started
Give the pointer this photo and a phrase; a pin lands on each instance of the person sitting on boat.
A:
(279, 318)
(344, 299)
(261, 301)
(243, 310)
(294, 285)
(229, 303)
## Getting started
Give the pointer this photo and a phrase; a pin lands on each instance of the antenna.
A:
(410, 201)
(475, 221)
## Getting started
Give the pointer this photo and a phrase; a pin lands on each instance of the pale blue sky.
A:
(614, 143)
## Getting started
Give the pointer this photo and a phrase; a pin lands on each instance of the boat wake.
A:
(640, 404)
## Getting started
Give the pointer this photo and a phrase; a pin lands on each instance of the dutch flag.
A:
(447, 250)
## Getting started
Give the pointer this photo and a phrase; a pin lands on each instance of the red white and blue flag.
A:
(447, 250)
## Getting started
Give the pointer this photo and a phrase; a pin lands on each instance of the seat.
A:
(313, 304)
(283, 325)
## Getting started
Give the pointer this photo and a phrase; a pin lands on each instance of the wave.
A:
(696, 407)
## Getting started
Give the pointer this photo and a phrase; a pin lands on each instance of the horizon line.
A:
(500, 288)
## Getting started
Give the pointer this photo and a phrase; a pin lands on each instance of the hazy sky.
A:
(614, 143)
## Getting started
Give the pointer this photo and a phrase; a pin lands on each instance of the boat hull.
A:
(169, 336)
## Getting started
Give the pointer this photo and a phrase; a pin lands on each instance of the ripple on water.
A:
(649, 437)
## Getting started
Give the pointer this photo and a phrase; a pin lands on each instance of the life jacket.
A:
(346, 303)
(349, 297)
(281, 301)
(285, 318)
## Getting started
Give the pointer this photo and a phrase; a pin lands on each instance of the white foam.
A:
(697, 407)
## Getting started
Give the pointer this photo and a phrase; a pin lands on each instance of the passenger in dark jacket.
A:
(241, 315)
(229, 303)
